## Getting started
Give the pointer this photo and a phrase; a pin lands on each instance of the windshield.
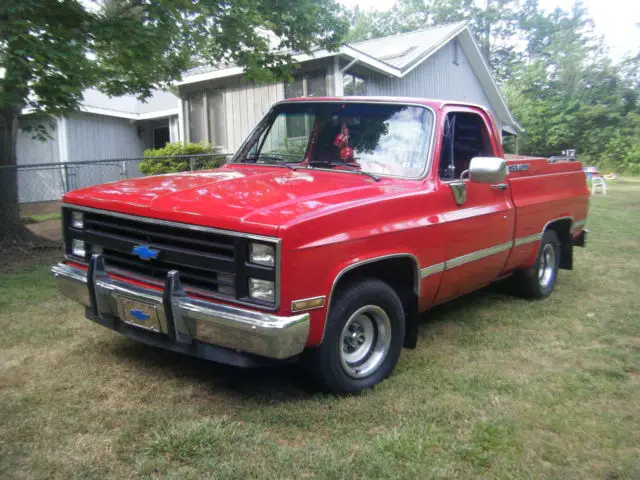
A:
(385, 139)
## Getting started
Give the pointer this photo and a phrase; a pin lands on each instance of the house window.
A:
(353, 85)
(205, 118)
(195, 108)
(216, 119)
(317, 84)
(295, 88)
(309, 84)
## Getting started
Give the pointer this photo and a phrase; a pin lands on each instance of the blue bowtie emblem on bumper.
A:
(139, 315)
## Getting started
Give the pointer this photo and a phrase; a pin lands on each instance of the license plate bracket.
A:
(139, 314)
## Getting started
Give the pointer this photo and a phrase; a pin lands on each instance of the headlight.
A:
(262, 254)
(77, 248)
(77, 220)
(262, 290)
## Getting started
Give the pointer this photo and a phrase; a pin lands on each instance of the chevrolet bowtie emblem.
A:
(139, 315)
(145, 252)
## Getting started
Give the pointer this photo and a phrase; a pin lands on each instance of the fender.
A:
(360, 263)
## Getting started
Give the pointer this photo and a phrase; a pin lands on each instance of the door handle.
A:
(499, 186)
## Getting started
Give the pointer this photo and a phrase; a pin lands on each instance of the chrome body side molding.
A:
(433, 269)
(480, 254)
(529, 239)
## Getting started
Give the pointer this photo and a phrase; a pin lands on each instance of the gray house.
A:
(104, 128)
(221, 107)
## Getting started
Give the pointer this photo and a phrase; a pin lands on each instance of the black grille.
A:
(208, 262)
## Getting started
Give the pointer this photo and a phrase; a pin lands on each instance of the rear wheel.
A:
(540, 280)
(363, 338)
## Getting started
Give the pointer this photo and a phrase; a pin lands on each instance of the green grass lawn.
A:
(45, 217)
(498, 387)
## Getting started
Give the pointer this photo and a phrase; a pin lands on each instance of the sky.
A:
(615, 20)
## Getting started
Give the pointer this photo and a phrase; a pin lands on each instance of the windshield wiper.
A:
(273, 162)
(352, 167)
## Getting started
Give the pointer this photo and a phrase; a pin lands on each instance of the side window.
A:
(465, 136)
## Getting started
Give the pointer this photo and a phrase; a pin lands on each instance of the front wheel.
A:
(540, 280)
(363, 338)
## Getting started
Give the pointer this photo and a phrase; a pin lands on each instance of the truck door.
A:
(479, 231)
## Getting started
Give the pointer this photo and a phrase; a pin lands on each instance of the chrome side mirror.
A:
(487, 169)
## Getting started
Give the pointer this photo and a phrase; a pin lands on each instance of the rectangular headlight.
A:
(77, 220)
(263, 290)
(262, 254)
(77, 248)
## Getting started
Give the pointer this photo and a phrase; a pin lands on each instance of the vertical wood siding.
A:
(245, 105)
(42, 184)
(98, 137)
(438, 77)
(30, 150)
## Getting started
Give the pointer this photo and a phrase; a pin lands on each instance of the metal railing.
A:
(46, 183)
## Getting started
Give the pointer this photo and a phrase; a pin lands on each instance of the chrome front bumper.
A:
(184, 322)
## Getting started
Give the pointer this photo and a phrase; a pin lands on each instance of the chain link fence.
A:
(42, 185)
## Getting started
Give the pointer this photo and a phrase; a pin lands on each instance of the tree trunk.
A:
(9, 216)
(486, 44)
(13, 233)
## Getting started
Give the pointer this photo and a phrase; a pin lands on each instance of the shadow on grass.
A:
(277, 383)
(452, 309)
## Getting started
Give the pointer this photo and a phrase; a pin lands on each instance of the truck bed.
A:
(542, 192)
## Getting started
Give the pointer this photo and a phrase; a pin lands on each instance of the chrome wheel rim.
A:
(546, 266)
(365, 341)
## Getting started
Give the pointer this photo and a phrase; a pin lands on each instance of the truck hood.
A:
(235, 197)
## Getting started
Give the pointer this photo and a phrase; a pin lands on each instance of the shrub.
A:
(172, 158)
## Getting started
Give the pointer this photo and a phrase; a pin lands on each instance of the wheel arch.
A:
(563, 227)
(400, 270)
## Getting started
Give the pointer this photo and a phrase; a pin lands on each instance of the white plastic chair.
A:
(597, 182)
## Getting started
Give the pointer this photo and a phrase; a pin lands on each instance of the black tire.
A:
(539, 281)
(327, 366)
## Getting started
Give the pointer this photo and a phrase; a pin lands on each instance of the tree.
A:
(554, 70)
(568, 93)
(51, 50)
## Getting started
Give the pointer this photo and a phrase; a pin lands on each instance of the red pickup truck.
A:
(335, 224)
